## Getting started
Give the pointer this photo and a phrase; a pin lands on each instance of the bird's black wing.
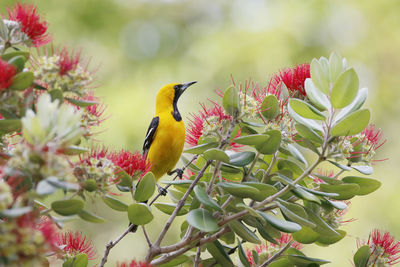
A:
(150, 135)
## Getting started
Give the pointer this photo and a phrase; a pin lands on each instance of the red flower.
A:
(96, 152)
(31, 23)
(133, 263)
(68, 61)
(7, 72)
(369, 140)
(293, 78)
(383, 248)
(75, 243)
(49, 231)
(132, 163)
(325, 173)
(282, 241)
(208, 117)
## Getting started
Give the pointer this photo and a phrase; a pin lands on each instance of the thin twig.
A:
(197, 259)
(276, 255)
(111, 244)
(146, 236)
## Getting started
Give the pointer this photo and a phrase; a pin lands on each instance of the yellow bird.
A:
(165, 136)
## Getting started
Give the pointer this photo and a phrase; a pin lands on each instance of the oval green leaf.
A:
(204, 198)
(241, 159)
(319, 99)
(252, 139)
(305, 110)
(90, 217)
(139, 214)
(200, 148)
(245, 233)
(145, 188)
(284, 226)
(345, 89)
(22, 80)
(239, 190)
(216, 154)
(352, 124)
(271, 145)
(367, 185)
(231, 101)
(362, 255)
(114, 203)
(203, 220)
(345, 191)
(67, 207)
(270, 107)
(169, 208)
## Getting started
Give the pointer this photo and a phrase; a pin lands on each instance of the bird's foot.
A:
(179, 173)
(162, 190)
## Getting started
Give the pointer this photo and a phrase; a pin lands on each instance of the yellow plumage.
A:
(166, 135)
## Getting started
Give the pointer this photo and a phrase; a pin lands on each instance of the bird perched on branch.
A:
(165, 136)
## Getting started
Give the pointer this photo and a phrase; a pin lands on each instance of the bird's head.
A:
(167, 97)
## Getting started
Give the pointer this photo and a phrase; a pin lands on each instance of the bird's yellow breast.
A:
(167, 146)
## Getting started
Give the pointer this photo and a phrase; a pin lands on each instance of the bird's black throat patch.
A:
(177, 116)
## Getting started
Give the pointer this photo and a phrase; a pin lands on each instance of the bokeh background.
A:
(137, 46)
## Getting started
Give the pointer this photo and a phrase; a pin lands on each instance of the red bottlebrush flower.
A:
(7, 72)
(209, 119)
(293, 78)
(96, 152)
(383, 248)
(68, 61)
(267, 247)
(75, 243)
(133, 263)
(31, 23)
(366, 143)
(132, 163)
(94, 115)
(326, 173)
(48, 230)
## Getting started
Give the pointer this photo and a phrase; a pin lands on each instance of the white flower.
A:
(52, 124)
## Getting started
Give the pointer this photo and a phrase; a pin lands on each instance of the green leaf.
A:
(200, 148)
(219, 254)
(362, 255)
(285, 164)
(45, 188)
(139, 214)
(345, 89)
(343, 167)
(335, 66)
(272, 144)
(252, 139)
(319, 76)
(329, 240)
(145, 188)
(216, 154)
(175, 261)
(242, 255)
(300, 260)
(169, 208)
(367, 185)
(268, 232)
(322, 227)
(15, 212)
(18, 62)
(303, 194)
(245, 233)
(284, 226)
(22, 80)
(319, 99)
(355, 105)
(74, 150)
(54, 181)
(203, 220)
(10, 55)
(204, 198)
(308, 133)
(305, 110)
(297, 154)
(239, 190)
(56, 94)
(80, 103)
(367, 170)
(8, 126)
(231, 101)
(352, 124)
(307, 122)
(295, 213)
(281, 262)
(90, 217)
(306, 235)
(270, 107)
(67, 207)
(345, 191)
(241, 159)
(265, 190)
(114, 203)
(327, 179)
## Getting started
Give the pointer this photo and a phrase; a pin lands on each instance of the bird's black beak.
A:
(184, 86)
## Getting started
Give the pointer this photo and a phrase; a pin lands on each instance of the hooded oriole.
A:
(165, 136)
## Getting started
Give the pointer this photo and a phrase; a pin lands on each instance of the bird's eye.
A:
(176, 87)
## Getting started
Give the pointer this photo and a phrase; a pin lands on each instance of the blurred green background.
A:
(138, 46)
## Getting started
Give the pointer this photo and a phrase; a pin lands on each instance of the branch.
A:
(277, 255)
(197, 259)
(111, 244)
(146, 236)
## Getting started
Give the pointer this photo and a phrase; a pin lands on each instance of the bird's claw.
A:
(179, 173)
(162, 190)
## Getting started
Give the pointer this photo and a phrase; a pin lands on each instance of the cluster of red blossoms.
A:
(7, 72)
(384, 249)
(31, 23)
(133, 263)
(293, 78)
